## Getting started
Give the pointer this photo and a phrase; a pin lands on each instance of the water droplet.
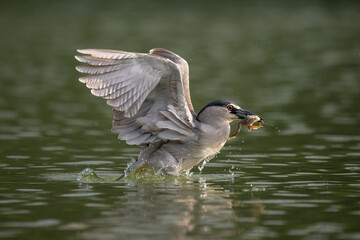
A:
(203, 165)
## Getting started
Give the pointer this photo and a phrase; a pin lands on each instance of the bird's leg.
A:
(132, 167)
(122, 176)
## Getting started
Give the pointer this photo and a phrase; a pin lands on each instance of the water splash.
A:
(145, 173)
(201, 167)
(130, 165)
(88, 174)
(188, 172)
(231, 171)
(205, 161)
(277, 129)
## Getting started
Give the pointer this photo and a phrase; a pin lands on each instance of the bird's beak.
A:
(241, 113)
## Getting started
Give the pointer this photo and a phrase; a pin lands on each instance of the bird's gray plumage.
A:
(152, 108)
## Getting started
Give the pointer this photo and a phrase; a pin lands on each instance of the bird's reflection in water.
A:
(174, 210)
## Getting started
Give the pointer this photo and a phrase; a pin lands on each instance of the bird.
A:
(150, 97)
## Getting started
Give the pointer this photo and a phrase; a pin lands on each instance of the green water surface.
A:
(295, 63)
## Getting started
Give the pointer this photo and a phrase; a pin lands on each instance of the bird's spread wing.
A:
(149, 93)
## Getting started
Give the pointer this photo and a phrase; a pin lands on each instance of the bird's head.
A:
(222, 110)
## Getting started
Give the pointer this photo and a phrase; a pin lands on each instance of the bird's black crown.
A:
(221, 103)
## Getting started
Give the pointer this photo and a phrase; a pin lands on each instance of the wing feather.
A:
(108, 54)
(175, 119)
(171, 126)
(120, 76)
(147, 92)
(111, 82)
(100, 70)
(94, 61)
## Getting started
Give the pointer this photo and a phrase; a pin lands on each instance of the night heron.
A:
(152, 108)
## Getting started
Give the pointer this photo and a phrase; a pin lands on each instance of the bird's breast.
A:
(211, 140)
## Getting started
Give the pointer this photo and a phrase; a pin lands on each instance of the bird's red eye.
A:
(230, 108)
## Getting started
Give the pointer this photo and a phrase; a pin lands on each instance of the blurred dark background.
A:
(294, 63)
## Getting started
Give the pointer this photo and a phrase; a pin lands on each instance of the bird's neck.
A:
(214, 136)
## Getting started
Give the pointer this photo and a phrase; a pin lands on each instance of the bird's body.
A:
(184, 155)
(152, 108)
